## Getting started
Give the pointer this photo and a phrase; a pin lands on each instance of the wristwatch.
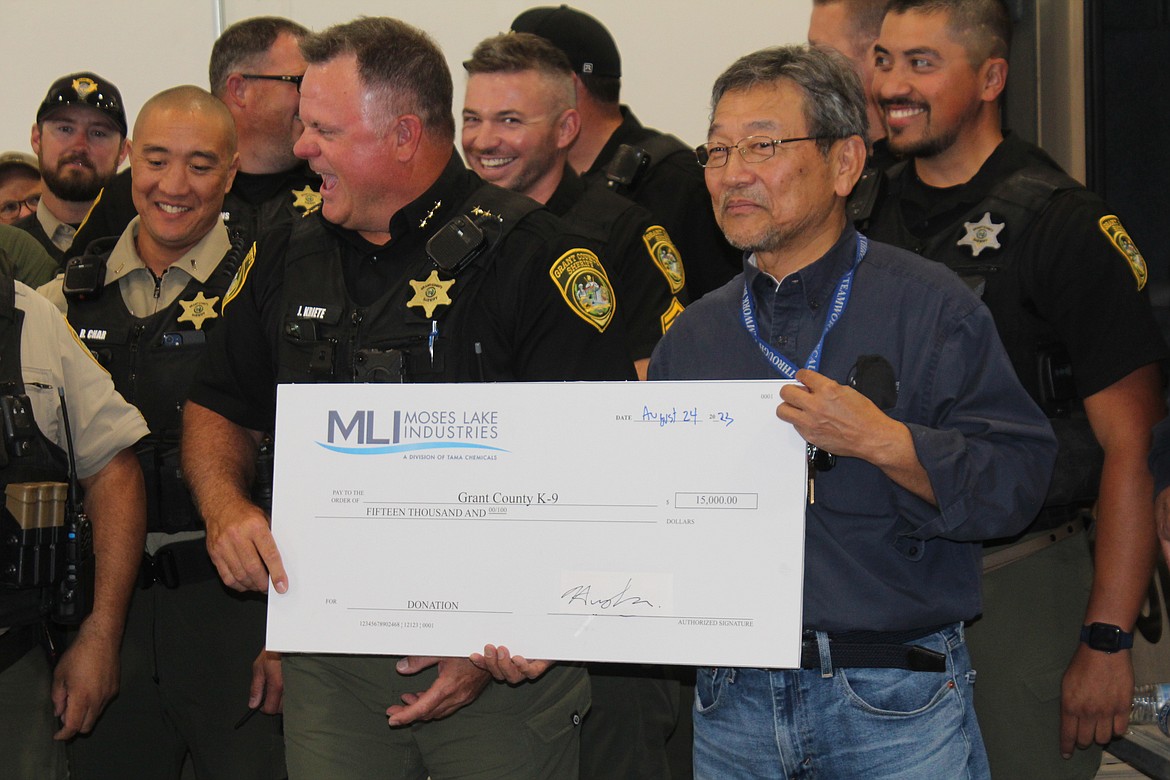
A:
(1106, 637)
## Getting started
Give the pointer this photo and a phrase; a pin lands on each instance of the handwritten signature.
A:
(582, 594)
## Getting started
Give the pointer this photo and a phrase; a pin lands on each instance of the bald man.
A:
(145, 307)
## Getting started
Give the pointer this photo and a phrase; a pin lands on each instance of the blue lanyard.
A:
(840, 299)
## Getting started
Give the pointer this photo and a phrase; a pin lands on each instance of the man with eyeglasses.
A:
(80, 140)
(20, 186)
(1063, 279)
(255, 69)
(20, 191)
(922, 442)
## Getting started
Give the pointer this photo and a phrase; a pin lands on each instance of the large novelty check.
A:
(655, 522)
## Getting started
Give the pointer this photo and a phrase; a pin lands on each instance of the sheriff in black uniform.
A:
(1063, 280)
(145, 309)
(381, 285)
(519, 123)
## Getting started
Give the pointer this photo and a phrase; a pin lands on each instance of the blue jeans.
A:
(840, 723)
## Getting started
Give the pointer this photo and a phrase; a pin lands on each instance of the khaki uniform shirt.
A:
(52, 356)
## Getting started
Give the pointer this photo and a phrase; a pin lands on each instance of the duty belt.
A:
(874, 650)
(181, 563)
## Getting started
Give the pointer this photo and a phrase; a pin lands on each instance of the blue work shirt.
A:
(878, 557)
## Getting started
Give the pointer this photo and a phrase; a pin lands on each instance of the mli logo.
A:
(365, 433)
(361, 429)
(363, 423)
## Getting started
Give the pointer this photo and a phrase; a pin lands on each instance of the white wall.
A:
(141, 46)
(672, 50)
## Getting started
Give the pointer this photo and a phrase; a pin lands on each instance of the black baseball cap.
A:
(583, 39)
(85, 89)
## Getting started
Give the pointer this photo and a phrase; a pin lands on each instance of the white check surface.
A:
(653, 522)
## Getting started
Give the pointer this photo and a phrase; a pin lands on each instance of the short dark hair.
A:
(196, 100)
(834, 104)
(984, 27)
(512, 52)
(244, 44)
(865, 17)
(398, 62)
(516, 52)
(604, 89)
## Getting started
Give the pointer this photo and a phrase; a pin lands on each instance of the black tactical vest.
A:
(325, 337)
(153, 361)
(631, 164)
(40, 461)
(1040, 359)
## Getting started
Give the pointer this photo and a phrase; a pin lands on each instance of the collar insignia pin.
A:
(423, 223)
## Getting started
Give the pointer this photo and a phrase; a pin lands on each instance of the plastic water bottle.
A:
(1151, 704)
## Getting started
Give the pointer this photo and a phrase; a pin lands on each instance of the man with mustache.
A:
(935, 445)
(80, 140)
(1063, 280)
(255, 70)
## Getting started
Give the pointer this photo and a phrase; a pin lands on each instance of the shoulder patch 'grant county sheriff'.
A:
(665, 256)
(580, 277)
(1111, 226)
(240, 277)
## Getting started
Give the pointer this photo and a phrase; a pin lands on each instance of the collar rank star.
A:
(198, 309)
(307, 200)
(430, 293)
(981, 235)
(423, 222)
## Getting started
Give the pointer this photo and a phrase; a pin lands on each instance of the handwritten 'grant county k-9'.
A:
(653, 522)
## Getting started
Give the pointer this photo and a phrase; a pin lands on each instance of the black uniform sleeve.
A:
(237, 377)
(645, 299)
(676, 193)
(1087, 289)
(540, 335)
